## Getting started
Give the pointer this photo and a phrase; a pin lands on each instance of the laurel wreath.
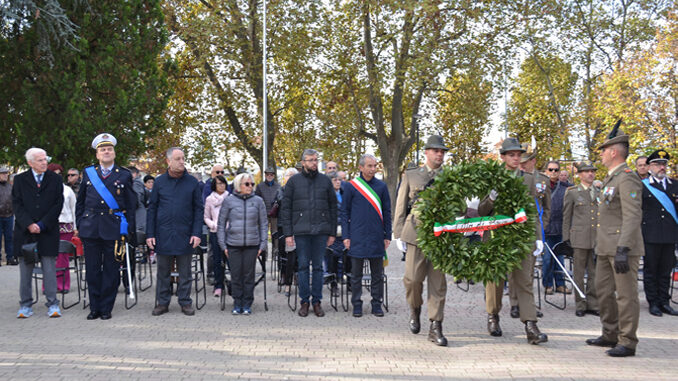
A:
(445, 200)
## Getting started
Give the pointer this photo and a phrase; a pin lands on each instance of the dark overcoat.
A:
(41, 205)
(175, 213)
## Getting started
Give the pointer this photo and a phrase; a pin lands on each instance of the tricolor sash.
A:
(478, 223)
(366, 190)
(107, 196)
(663, 199)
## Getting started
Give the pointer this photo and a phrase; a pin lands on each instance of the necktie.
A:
(39, 180)
(105, 171)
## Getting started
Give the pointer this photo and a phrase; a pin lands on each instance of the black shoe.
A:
(188, 310)
(593, 312)
(534, 336)
(621, 351)
(580, 313)
(540, 314)
(515, 312)
(655, 311)
(403, 258)
(415, 324)
(435, 333)
(12, 262)
(159, 310)
(93, 315)
(106, 315)
(357, 311)
(667, 309)
(600, 342)
(493, 325)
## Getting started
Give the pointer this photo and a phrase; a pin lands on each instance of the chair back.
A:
(67, 247)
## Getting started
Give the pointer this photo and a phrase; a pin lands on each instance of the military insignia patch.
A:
(633, 194)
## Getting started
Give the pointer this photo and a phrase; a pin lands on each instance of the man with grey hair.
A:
(309, 220)
(366, 228)
(173, 227)
(37, 199)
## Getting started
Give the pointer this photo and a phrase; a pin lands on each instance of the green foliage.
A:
(543, 96)
(111, 83)
(445, 200)
(464, 112)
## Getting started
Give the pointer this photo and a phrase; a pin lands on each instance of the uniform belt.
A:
(106, 211)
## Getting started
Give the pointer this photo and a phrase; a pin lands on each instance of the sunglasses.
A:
(248, 184)
(219, 172)
(552, 169)
(72, 174)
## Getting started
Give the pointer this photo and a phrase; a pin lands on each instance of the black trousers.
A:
(243, 260)
(376, 280)
(103, 274)
(657, 266)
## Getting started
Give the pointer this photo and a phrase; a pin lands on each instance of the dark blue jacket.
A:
(555, 226)
(175, 213)
(94, 218)
(361, 222)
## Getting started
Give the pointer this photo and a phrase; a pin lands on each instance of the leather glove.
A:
(493, 195)
(621, 260)
(539, 249)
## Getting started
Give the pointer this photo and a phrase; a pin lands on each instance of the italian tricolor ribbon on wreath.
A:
(477, 224)
(366, 191)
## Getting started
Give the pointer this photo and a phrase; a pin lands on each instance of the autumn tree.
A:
(109, 81)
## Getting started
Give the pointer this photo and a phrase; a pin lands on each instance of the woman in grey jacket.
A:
(242, 234)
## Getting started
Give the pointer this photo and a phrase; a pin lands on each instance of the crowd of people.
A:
(604, 226)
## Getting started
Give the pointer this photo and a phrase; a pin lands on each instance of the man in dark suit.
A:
(660, 233)
(37, 198)
(99, 225)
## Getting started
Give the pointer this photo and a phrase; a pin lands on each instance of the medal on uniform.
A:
(118, 192)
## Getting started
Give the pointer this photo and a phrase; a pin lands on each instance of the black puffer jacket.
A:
(309, 205)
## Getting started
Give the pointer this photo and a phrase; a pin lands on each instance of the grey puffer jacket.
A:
(242, 222)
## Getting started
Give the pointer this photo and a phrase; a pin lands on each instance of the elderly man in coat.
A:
(173, 229)
(366, 227)
(37, 199)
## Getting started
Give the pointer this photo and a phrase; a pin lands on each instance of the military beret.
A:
(104, 139)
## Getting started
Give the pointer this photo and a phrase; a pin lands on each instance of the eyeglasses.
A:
(72, 174)
(219, 172)
(248, 184)
(552, 169)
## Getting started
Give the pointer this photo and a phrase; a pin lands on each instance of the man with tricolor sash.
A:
(417, 266)
(366, 228)
(660, 233)
(521, 278)
(104, 211)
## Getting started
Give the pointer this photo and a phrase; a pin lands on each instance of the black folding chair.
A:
(144, 268)
(259, 277)
(73, 264)
(198, 274)
(568, 265)
(366, 283)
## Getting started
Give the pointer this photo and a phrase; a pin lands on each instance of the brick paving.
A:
(277, 344)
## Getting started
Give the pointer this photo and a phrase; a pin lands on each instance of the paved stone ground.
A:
(277, 344)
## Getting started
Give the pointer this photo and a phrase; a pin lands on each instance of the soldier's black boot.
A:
(435, 333)
(534, 336)
(493, 325)
(415, 324)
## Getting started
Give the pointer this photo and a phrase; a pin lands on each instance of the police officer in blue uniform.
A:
(660, 233)
(100, 226)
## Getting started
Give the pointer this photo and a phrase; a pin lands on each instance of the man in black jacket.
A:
(37, 199)
(660, 233)
(309, 220)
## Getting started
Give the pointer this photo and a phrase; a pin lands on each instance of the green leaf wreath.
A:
(445, 200)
